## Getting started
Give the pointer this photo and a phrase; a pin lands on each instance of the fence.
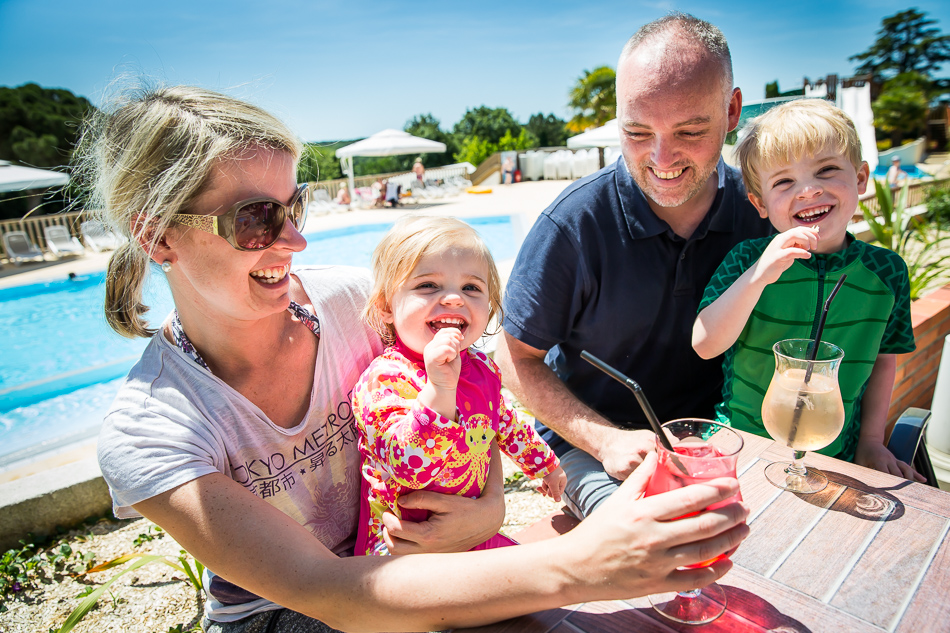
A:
(916, 195)
(33, 226)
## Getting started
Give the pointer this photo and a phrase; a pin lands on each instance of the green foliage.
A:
(771, 89)
(427, 126)
(524, 140)
(898, 230)
(319, 162)
(906, 42)
(151, 534)
(486, 123)
(938, 205)
(593, 99)
(39, 126)
(27, 567)
(90, 598)
(900, 111)
(475, 150)
(550, 131)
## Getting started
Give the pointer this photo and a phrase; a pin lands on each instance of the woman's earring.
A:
(166, 266)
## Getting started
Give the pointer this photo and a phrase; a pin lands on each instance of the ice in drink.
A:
(702, 462)
(821, 412)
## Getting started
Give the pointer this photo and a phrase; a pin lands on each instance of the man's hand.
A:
(875, 455)
(622, 451)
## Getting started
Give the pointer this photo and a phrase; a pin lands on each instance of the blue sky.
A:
(343, 70)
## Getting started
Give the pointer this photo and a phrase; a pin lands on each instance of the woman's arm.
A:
(629, 547)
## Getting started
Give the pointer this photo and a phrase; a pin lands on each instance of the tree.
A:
(549, 130)
(489, 124)
(593, 99)
(318, 162)
(905, 43)
(427, 126)
(39, 126)
(901, 108)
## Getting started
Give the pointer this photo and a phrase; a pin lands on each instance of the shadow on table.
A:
(858, 499)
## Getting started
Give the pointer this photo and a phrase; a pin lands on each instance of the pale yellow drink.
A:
(822, 412)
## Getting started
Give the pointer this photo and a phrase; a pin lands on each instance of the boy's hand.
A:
(441, 356)
(552, 484)
(875, 455)
(782, 252)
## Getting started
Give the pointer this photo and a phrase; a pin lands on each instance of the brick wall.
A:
(917, 371)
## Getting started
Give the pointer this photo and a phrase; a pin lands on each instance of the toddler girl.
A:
(429, 408)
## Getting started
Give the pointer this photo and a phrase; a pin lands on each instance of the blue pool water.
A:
(61, 364)
(911, 170)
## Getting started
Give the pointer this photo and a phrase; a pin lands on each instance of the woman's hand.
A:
(632, 546)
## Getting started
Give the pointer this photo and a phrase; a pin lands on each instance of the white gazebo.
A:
(385, 143)
(17, 178)
(607, 135)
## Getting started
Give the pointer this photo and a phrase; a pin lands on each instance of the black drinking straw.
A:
(632, 385)
(797, 415)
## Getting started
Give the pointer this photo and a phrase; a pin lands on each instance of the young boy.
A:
(801, 163)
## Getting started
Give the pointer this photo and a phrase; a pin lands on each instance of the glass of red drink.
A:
(702, 450)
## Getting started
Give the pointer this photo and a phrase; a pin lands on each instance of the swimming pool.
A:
(912, 171)
(61, 364)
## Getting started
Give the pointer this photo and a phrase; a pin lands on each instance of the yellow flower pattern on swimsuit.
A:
(406, 446)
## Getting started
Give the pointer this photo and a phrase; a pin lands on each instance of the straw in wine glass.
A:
(797, 415)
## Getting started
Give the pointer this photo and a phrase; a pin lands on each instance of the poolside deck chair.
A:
(98, 237)
(60, 242)
(20, 248)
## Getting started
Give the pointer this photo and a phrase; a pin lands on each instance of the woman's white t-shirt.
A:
(173, 421)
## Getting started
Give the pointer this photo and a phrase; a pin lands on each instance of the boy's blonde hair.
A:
(397, 254)
(790, 131)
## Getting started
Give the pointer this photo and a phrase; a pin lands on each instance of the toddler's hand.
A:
(442, 360)
(552, 485)
(782, 252)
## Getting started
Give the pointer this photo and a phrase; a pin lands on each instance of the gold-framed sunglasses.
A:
(252, 225)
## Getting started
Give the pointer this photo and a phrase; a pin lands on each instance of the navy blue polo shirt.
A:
(600, 271)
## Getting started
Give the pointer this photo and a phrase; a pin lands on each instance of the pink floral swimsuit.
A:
(406, 446)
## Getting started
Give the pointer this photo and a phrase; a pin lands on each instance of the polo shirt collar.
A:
(642, 222)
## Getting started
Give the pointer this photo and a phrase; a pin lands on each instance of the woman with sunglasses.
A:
(234, 431)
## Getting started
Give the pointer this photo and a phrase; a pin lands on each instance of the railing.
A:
(33, 226)
(916, 195)
(333, 187)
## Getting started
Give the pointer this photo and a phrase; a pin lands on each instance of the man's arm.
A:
(549, 399)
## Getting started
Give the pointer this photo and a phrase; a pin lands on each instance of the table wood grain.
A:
(870, 553)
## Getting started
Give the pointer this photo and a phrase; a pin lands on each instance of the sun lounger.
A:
(20, 248)
(60, 242)
(98, 237)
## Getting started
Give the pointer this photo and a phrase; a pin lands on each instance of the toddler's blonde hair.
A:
(397, 254)
(788, 132)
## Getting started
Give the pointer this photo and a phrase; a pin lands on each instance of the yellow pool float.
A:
(478, 190)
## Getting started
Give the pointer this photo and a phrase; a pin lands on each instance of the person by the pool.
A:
(895, 175)
(234, 431)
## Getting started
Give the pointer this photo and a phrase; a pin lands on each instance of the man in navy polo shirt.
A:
(618, 263)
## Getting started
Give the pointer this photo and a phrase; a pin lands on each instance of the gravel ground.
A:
(158, 599)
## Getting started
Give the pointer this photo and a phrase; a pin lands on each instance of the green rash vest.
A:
(869, 316)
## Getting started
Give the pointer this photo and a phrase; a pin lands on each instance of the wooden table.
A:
(869, 553)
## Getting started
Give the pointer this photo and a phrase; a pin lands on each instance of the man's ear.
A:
(158, 249)
(759, 206)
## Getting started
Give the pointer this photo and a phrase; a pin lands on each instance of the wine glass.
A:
(702, 450)
(803, 408)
